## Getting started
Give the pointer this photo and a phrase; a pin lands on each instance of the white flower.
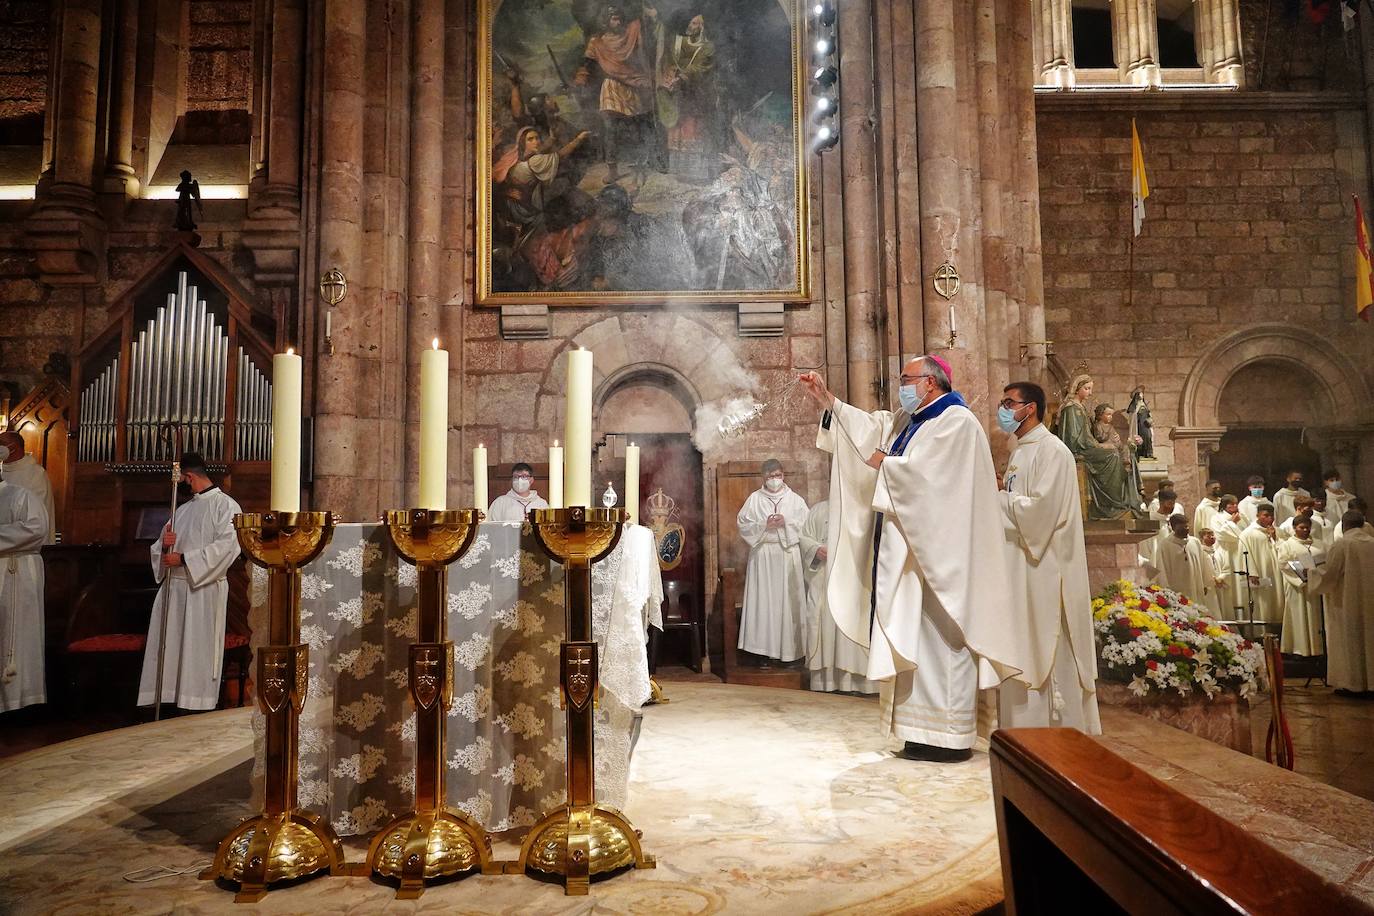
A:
(507, 567)
(522, 720)
(315, 637)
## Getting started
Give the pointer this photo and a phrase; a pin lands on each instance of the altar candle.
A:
(434, 428)
(479, 477)
(286, 432)
(555, 476)
(577, 432)
(952, 330)
(632, 483)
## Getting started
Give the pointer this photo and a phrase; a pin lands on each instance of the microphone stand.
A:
(1249, 592)
(173, 434)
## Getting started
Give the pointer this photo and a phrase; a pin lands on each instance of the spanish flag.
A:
(1364, 276)
(1140, 185)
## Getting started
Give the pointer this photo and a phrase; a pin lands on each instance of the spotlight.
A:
(825, 77)
(822, 47)
(823, 104)
(825, 133)
(824, 11)
(826, 139)
(825, 111)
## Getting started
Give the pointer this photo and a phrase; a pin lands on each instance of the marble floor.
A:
(1333, 737)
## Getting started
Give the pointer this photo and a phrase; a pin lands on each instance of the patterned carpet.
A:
(754, 800)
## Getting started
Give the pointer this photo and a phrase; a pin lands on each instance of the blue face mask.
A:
(909, 398)
(1006, 418)
(1257, 491)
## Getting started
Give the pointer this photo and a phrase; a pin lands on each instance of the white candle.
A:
(329, 324)
(286, 432)
(952, 331)
(479, 477)
(577, 432)
(434, 428)
(555, 476)
(632, 483)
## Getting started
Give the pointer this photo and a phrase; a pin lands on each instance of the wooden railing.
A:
(1084, 830)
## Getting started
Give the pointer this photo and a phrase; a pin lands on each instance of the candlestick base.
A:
(579, 841)
(425, 845)
(269, 848)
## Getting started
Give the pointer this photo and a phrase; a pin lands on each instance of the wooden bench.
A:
(1082, 829)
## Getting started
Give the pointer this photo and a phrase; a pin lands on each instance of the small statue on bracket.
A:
(188, 190)
(1139, 413)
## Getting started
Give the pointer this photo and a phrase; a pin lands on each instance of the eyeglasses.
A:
(521, 477)
(911, 379)
(1008, 402)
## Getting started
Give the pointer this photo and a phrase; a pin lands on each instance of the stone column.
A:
(862, 271)
(1136, 39)
(426, 212)
(283, 148)
(1028, 321)
(939, 130)
(1218, 41)
(338, 377)
(1052, 31)
(77, 64)
(120, 177)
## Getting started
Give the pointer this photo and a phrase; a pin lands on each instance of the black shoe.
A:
(913, 750)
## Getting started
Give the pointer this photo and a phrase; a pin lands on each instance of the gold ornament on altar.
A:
(669, 536)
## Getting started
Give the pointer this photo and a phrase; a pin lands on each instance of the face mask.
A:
(1333, 485)
(1006, 418)
(773, 483)
(1257, 491)
(521, 485)
(909, 398)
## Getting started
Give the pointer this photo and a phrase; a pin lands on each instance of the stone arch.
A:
(657, 375)
(1341, 382)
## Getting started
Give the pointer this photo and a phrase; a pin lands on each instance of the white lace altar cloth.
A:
(506, 733)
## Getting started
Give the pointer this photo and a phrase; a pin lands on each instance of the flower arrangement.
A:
(1153, 640)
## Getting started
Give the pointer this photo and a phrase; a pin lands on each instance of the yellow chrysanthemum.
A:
(1214, 632)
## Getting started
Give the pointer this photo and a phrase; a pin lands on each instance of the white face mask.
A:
(521, 485)
(774, 484)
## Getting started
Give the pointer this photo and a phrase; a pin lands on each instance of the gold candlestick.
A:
(579, 838)
(432, 841)
(285, 841)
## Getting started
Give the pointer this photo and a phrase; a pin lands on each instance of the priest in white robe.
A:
(835, 662)
(1163, 507)
(1206, 508)
(1302, 623)
(1285, 500)
(190, 561)
(1337, 499)
(770, 522)
(22, 470)
(1347, 581)
(1155, 508)
(1219, 602)
(1260, 563)
(1254, 498)
(1228, 525)
(1047, 566)
(917, 566)
(23, 528)
(515, 505)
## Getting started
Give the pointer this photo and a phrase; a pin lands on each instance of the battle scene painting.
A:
(632, 152)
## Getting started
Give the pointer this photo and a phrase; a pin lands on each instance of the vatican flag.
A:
(1364, 276)
(1140, 185)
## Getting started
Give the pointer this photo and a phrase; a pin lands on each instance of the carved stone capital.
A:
(526, 322)
(761, 319)
(69, 239)
(1205, 439)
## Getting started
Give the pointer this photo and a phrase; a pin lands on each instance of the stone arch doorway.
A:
(1266, 407)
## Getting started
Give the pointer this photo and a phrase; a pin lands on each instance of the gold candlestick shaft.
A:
(285, 841)
(433, 841)
(579, 838)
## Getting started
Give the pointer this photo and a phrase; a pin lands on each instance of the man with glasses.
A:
(770, 522)
(918, 573)
(1048, 568)
(515, 505)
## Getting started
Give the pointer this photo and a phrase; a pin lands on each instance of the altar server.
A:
(1302, 624)
(1206, 507)
(835, 661)
(1181, 565)
(23, 526)
(1156, 507)
(1253, 498)
(1285, 500)
(1347, 580)
(515, 505)
(1260, 562)
(1047, 567)
(770, 521)
(1219, 602)
(1303, 507)
(1162, 508)
(917, 566)
(23, 471)
(1337, 499)
(1228, 524)
(190, 562)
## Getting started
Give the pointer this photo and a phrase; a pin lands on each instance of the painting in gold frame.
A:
(638, 153)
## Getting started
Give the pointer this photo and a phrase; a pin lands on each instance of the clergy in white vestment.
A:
(1164, 507)
(1285, 500)
(1322, 532)
(1359, 505)
(1259, 551)
(1219, 602)
(1228, 524)
(23, 528)
(515, 505)
(22, 470)
(835, 662)
(1303, 507)
(190, 561)
(1347, 581)
(1175, 505)
(1206, 507)
(770, 521)
(1337, 499)
(1253, 499)
(1047, 566)
(917, 569)
(1180, 564)
(1302, 623)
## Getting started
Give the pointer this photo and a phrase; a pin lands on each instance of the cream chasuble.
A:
(1181, 566)
(194, 597)
(1202, 515)
(1047, 567)
(1302, 623)
(1336, 506)
(1218, 601)
(1249, 509)
(1347, 581)
(774, 590)
(1283, 503)
(1260, 559)
(941, 582)
(835, 661)
(1228, 534)
(23, 528)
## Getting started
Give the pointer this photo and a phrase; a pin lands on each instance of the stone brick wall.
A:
(220, 64)
(1249, 222)
(23, 67)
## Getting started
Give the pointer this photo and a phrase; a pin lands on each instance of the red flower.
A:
(1151, 664)
(1187, 652)
(1183, 599)
(1175, 649)
(1123, 621)
(1162, 601)
(1152, 588)
(1135, 631)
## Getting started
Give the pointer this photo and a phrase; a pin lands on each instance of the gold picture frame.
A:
(645, 162)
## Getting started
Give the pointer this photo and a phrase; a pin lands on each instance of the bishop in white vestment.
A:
(770, 521)
(515, 505)
(190, 562)
(23, 528)
(835, 661)
(1047, 567)
(1260, 558)
(1347, 580)
(916, 551)
(23, 471)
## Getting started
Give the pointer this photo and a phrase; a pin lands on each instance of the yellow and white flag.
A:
(1140, 185)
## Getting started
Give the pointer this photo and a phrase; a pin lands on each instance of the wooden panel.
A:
(1077, 822)
(498, 481)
